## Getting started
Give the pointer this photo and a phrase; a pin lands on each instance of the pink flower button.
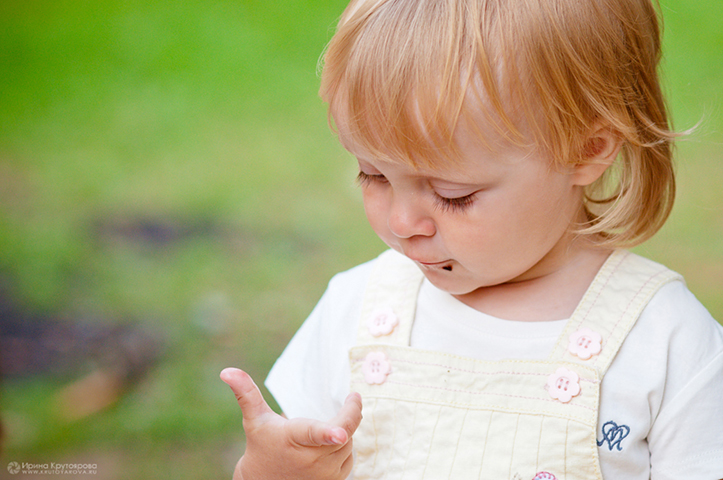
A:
(375, 368)
(585, 343)
(382, 321)
(544, 476)
(563, 385)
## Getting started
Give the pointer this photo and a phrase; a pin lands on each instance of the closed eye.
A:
(457, 204)
(444, 204)
(365, 178)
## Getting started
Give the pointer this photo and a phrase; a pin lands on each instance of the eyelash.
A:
(365, 178)
(444, 204)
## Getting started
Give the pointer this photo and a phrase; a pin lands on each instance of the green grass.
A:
(203, 117)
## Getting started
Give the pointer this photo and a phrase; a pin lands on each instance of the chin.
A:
(451, 286)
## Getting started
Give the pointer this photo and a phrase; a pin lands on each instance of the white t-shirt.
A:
(661, 406)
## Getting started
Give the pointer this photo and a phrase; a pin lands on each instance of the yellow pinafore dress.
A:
(432, 415)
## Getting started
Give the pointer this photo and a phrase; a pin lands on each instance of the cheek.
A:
(545, 217)
(376, 211)
(498, 224)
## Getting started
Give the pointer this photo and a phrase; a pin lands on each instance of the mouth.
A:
(444, 265)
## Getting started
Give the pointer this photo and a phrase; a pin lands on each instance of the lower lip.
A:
(447, 266)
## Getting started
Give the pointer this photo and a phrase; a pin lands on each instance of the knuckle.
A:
(302, 433)
(310, 435)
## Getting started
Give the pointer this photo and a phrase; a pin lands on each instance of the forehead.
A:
(432, 147)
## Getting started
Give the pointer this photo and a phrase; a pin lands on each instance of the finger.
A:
(347, 466)
(313, 433)
(349, 417)
(249, 396)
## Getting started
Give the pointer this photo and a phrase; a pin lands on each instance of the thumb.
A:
(349, 417)
(249, 396)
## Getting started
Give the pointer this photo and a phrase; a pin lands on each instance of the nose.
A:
(408, 218)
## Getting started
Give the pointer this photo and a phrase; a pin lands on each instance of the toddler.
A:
(509, 151)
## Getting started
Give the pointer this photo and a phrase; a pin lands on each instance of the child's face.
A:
(497, 217)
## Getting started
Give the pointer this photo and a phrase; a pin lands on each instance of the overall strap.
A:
(610, 307)
(390, 301)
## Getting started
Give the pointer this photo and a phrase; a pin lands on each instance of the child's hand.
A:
(277, 448)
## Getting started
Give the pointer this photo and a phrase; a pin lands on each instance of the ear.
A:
(599, 152)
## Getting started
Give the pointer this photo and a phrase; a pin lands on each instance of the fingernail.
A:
(338, 438)
(225, 373)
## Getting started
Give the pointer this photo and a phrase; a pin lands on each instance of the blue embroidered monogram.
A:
(613, 435)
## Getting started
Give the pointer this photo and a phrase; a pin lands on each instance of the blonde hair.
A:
(405, 73)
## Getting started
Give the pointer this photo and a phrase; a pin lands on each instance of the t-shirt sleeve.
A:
(688, 434)
(686, 439)
(311, 378)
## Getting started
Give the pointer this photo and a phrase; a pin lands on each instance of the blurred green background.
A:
(166, 169)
